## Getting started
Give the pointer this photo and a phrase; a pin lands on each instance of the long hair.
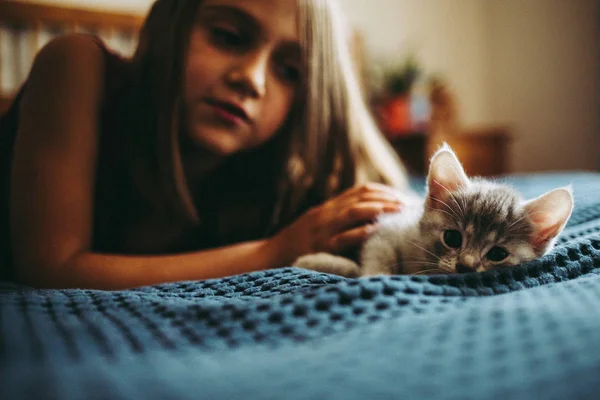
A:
(154, 108)
(335, 143)
(328, 142)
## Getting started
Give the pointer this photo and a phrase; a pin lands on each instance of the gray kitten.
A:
(461, 225)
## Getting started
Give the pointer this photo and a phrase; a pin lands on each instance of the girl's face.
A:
(241, 74)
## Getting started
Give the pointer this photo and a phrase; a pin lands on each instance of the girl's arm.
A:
(114, 272)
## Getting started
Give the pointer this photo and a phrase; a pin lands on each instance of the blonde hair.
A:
(337, 143)
(328, 143)
(327, 37)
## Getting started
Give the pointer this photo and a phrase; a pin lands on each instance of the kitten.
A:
(462, 225)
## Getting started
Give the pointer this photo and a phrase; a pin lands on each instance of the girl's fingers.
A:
(377, 188)
(348, 217)
(363, 194)
(373, 197)
(351, 238)
(363, 213)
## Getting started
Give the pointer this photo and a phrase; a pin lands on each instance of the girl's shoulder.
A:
(77, 46)
(87, 55)
(78, 61)
(82, 56)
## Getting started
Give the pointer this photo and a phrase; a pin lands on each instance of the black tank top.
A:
(110, 175)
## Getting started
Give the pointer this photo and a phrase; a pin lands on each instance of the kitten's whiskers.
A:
(425, 250)
(428, 271)
(438, 269)
(418, 262)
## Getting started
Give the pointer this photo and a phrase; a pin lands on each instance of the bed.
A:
(527, 332)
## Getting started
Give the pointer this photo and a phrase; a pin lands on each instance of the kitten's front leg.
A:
(329, 264)
(379, 257)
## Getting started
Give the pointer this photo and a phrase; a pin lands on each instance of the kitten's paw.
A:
(329, 264)
(376, 269)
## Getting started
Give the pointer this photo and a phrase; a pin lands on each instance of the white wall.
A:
(449, 37)
(544, 64)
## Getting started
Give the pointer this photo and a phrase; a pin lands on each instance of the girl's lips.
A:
(229, 111)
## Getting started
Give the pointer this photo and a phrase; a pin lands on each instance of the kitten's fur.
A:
(486, 215)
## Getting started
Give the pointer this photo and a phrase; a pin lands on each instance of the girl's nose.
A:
(250, 75)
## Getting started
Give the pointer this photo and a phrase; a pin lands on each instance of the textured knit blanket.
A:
(527, 332)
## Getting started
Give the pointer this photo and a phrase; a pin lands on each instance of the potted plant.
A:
(395, 98)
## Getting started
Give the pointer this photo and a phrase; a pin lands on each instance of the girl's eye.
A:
(226, 37)
(289, 73)
(453, 239)
(497, 254)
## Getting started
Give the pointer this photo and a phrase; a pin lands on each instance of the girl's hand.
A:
(338, 224)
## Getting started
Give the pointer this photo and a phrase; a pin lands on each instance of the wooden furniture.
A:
(482, 151)
(412, 149)
(26, 27)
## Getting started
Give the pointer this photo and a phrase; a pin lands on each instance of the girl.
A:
(234, 140)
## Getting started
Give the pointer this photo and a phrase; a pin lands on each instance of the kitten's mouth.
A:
(463, 269)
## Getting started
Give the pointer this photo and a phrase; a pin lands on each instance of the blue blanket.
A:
(527, 332)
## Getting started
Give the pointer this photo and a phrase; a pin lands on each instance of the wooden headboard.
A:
(27, 27)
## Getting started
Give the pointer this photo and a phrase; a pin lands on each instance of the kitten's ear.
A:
(549, 214)
(446, 175)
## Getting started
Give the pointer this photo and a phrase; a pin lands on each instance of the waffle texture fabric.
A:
(529, 332)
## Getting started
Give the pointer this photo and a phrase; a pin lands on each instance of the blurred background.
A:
(512, 85)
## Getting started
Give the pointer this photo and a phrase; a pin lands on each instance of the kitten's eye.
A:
(453, 239)
(497, 254)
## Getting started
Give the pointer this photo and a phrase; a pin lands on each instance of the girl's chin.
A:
(218, 143)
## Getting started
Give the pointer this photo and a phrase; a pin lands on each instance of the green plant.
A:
(398, 78)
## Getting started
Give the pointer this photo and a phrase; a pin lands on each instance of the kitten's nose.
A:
(463, 269)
